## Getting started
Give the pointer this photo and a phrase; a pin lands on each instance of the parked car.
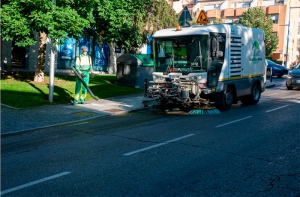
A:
(277, 69)
(293, 78)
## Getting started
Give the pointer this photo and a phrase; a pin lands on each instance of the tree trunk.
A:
(112, 60)
(40, 66)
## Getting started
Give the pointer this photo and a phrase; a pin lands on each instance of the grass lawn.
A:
(20, 91)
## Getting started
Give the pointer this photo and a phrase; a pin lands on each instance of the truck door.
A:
(217, 50)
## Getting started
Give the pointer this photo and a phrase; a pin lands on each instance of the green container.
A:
(145, 58)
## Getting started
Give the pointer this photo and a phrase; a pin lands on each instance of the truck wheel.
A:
(255, 93)
(226, 99)
(289, 87)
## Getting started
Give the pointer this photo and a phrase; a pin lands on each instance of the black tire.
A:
(255, 93)
(289, 87)
(226, 99)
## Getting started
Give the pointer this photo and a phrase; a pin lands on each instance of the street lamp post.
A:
(288, 37)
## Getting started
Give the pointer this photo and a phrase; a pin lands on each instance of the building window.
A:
(229, 20)
(268, 2)
(280, 2)
(243, 5)
(209, 7)
(274, 18)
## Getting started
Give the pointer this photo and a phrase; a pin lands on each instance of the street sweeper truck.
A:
(212, 65)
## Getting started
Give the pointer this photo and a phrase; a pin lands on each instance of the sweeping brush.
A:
(149, 103)
(204, 111)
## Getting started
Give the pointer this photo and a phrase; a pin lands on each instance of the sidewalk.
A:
(15, 121)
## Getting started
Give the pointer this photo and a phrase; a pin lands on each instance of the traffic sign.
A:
(202, 18)
(185, 17)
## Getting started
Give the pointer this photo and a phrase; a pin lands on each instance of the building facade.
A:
(284, 13)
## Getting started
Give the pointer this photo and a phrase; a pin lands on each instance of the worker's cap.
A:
(85, 49)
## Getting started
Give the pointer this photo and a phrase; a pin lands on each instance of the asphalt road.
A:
(246, 151)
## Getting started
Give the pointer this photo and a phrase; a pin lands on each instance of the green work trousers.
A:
(79, 86)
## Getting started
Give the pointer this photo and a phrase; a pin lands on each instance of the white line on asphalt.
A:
(271, 94)
(157, 145)
(234, 121)
(277, 108)
(33, 183)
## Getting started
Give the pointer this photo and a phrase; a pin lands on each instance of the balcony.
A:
(213, 13)
(273, 9)
(228, 13)
(239, 11)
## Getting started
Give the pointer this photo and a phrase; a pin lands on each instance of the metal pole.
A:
(51, 70)
(51, 73)
(145, 87)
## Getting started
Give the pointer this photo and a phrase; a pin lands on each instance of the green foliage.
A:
(216, 21)
(256, 17)
(124, 22)
(160, 15)
(21, 18)
(116, 21)
(128, 22)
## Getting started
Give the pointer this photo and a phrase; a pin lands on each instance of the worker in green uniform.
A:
(84, 67)
(181, 52)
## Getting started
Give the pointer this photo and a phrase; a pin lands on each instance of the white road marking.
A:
(277, 108)
(33, 183)
(157, 145)
(234, 121)
(271, 94)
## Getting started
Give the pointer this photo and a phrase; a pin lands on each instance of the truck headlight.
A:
(157, 78)
(194, 78)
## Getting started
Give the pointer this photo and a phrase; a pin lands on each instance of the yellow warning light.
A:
(178, 28)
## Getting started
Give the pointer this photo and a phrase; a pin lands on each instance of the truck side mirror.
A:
(214, 44)
(214, 47)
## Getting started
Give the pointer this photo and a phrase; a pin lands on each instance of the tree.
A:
(127, 23)
(20, 19)
(160, 15)
(257, 18)
(115, 22)
(216, 21)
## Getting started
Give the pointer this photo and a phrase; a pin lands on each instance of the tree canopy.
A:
(64, 19)
(124, 22)
(257, 18)
(128, 22)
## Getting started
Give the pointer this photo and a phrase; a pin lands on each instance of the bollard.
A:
(271, 73)
(145, 87)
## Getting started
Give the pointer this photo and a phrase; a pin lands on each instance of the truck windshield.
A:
(182, 54)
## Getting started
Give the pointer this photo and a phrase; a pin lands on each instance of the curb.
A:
(61, 124)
